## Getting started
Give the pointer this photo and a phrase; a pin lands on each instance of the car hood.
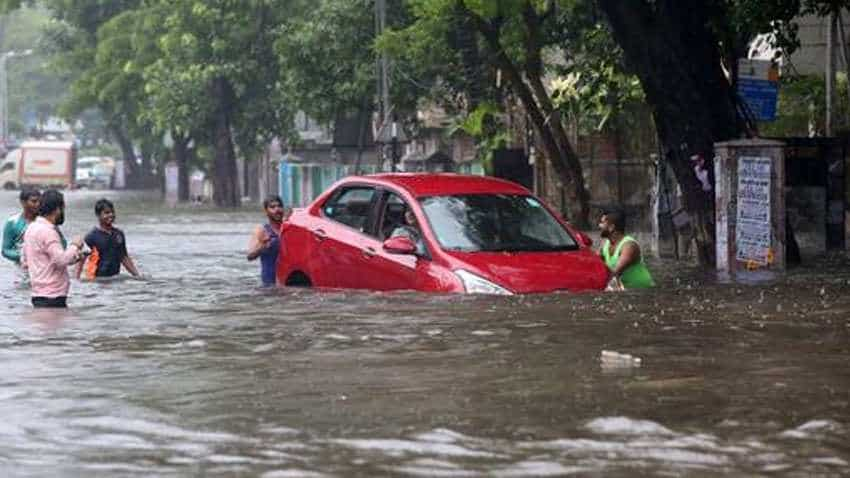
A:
(531, 272)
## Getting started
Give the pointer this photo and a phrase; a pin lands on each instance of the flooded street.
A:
(196, 371)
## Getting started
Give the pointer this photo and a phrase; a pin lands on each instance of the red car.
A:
(435, 233)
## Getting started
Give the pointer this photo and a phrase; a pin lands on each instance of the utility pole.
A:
(830, 73)
(4, 92)
(4, 96)
(383, 61)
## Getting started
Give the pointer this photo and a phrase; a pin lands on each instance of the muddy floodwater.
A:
(195, 371)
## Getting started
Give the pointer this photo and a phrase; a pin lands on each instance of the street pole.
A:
(394, 133)
(383, 61)
(4, 92)
(4, 97)
(830, 73)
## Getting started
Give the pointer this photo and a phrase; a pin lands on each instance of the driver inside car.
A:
(410, 230)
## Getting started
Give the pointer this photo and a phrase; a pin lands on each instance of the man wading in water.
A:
(108, 246)
(45, 255)
(621, 253)
(265, 242)
(16, 225)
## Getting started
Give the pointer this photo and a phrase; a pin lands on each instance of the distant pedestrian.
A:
(701, 172)
(16, 225)
(622, 254)
(45, 256)
(265, 241)
(108, 246)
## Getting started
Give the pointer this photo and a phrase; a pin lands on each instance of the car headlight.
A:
(474, 284)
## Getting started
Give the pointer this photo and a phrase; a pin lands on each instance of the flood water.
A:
(195, 371)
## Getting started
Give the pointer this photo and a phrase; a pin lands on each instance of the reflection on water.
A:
(197, 371)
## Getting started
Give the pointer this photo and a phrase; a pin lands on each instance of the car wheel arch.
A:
(298, 279)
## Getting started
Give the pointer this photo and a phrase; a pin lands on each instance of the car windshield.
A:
(495, 223)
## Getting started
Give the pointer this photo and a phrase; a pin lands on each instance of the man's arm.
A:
(628, 256)
(259, 242)
(9, 250)
(128, 263)
(126, 260)
(62, 257)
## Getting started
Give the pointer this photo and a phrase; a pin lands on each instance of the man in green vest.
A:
(16, 225)
(621, 253)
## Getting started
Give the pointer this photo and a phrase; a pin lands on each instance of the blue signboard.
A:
(760, 96)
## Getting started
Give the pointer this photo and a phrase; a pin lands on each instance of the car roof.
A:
(444, 184)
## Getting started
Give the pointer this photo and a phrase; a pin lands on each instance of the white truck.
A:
(40, 164)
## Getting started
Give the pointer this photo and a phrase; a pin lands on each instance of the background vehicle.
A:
(39, 163)
(470, 234)
(95, 172)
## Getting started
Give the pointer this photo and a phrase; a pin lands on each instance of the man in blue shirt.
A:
(108, 245)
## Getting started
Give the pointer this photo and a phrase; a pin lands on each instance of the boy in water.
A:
(108, 245)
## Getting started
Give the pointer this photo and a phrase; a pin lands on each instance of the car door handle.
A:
(320, 234)
(369, 252)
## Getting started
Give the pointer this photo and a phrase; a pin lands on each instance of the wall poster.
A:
(753, 231)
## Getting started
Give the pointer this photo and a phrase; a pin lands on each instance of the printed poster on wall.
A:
(752, 234)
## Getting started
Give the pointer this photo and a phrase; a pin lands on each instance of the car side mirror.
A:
(584, 239)
(400, 245)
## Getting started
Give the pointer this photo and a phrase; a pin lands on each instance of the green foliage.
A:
(34, 92)
(593, 84)
(326, 58)
(485, 125)
(801, 109)
(101, 150)
(205, 41)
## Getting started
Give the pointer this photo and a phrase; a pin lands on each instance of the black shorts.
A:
(50, 302)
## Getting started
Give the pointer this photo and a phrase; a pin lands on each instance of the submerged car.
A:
(435, 233)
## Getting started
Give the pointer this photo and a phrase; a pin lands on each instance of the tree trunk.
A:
(181, 157)
(133, 178)
(546, 121)
(669, 46)
(225, 175)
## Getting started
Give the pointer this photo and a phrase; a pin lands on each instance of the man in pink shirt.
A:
(45, 256)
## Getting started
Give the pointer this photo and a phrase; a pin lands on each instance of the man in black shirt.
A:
(108, 245)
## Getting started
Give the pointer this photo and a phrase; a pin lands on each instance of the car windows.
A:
(393, 215)
(7, 167)
(394, 223)
(351, 207)
(495, 223)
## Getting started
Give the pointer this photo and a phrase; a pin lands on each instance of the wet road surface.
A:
(196, 371)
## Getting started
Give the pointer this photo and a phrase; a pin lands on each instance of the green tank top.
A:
(636, 276)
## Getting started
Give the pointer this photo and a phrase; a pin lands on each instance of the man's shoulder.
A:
(40, 228)
(13, 218)
(92, 234)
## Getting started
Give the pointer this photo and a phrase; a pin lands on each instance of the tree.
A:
(34, 93)
(218, 72)
(73, 45)
(515, 35)
(672, 49)
(678, 50)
